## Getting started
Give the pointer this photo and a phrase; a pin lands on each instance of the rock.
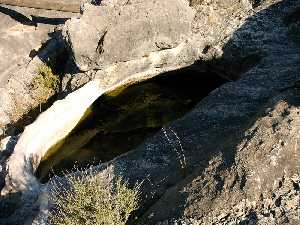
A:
(6, 148)
(111, 77)
(7, 204)
(234, 158)
(65, 114)
(255, 186)
(128, 32)
(21, 99)
(22, 32)
(24, 47)
(249, 128)
(217, 188)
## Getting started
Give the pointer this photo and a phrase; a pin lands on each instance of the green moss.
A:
(46, 78)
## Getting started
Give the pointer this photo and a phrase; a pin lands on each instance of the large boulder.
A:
(126, 32)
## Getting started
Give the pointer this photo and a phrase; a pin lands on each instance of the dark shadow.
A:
(34, 21)
(17, 16)
(8, 205)
(47, 20)
(293, 16)
(124, 120)
(251, 219)
(13, 208)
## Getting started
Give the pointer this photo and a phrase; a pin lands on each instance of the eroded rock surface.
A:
(258, 184)
(213, 134)
(127, 32)
(239, 160)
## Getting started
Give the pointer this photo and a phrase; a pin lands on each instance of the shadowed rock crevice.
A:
(124, 118)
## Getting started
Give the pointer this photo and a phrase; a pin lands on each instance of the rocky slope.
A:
(234, 159)
(28, 41)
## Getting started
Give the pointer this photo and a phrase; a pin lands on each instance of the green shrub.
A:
(94, 200)
(46, 78)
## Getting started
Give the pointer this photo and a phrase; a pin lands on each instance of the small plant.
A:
(178, 148)
(46, 78)
(93, 200)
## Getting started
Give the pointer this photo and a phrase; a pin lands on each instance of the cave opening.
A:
(121, 120)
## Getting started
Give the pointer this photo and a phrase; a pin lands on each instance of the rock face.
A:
(234, 159)
(127, 32)
(25, 46)
(258, 185)
(240, 144)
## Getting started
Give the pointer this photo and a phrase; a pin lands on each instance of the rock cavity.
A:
(122, 119)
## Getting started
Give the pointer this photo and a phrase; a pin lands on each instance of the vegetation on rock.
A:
(93, 199)
(46, 78)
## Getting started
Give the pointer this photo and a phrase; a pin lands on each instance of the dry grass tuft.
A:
(93, 200)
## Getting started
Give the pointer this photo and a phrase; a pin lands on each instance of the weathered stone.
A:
(128, 32)
(24, 47)
(232, 160)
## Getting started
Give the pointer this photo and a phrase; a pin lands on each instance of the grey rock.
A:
(126, 32)
(27, 41)
(6, 148)
(237, 143)
(239, 161)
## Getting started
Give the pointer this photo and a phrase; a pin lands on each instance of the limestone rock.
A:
(25, 45)
(234, 159)
(128, 32)
(222, 183)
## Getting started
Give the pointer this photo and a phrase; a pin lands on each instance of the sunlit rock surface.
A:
(234, 159)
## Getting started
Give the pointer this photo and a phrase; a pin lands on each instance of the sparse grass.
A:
(46, 78)
(93, 200)
(177, 147)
